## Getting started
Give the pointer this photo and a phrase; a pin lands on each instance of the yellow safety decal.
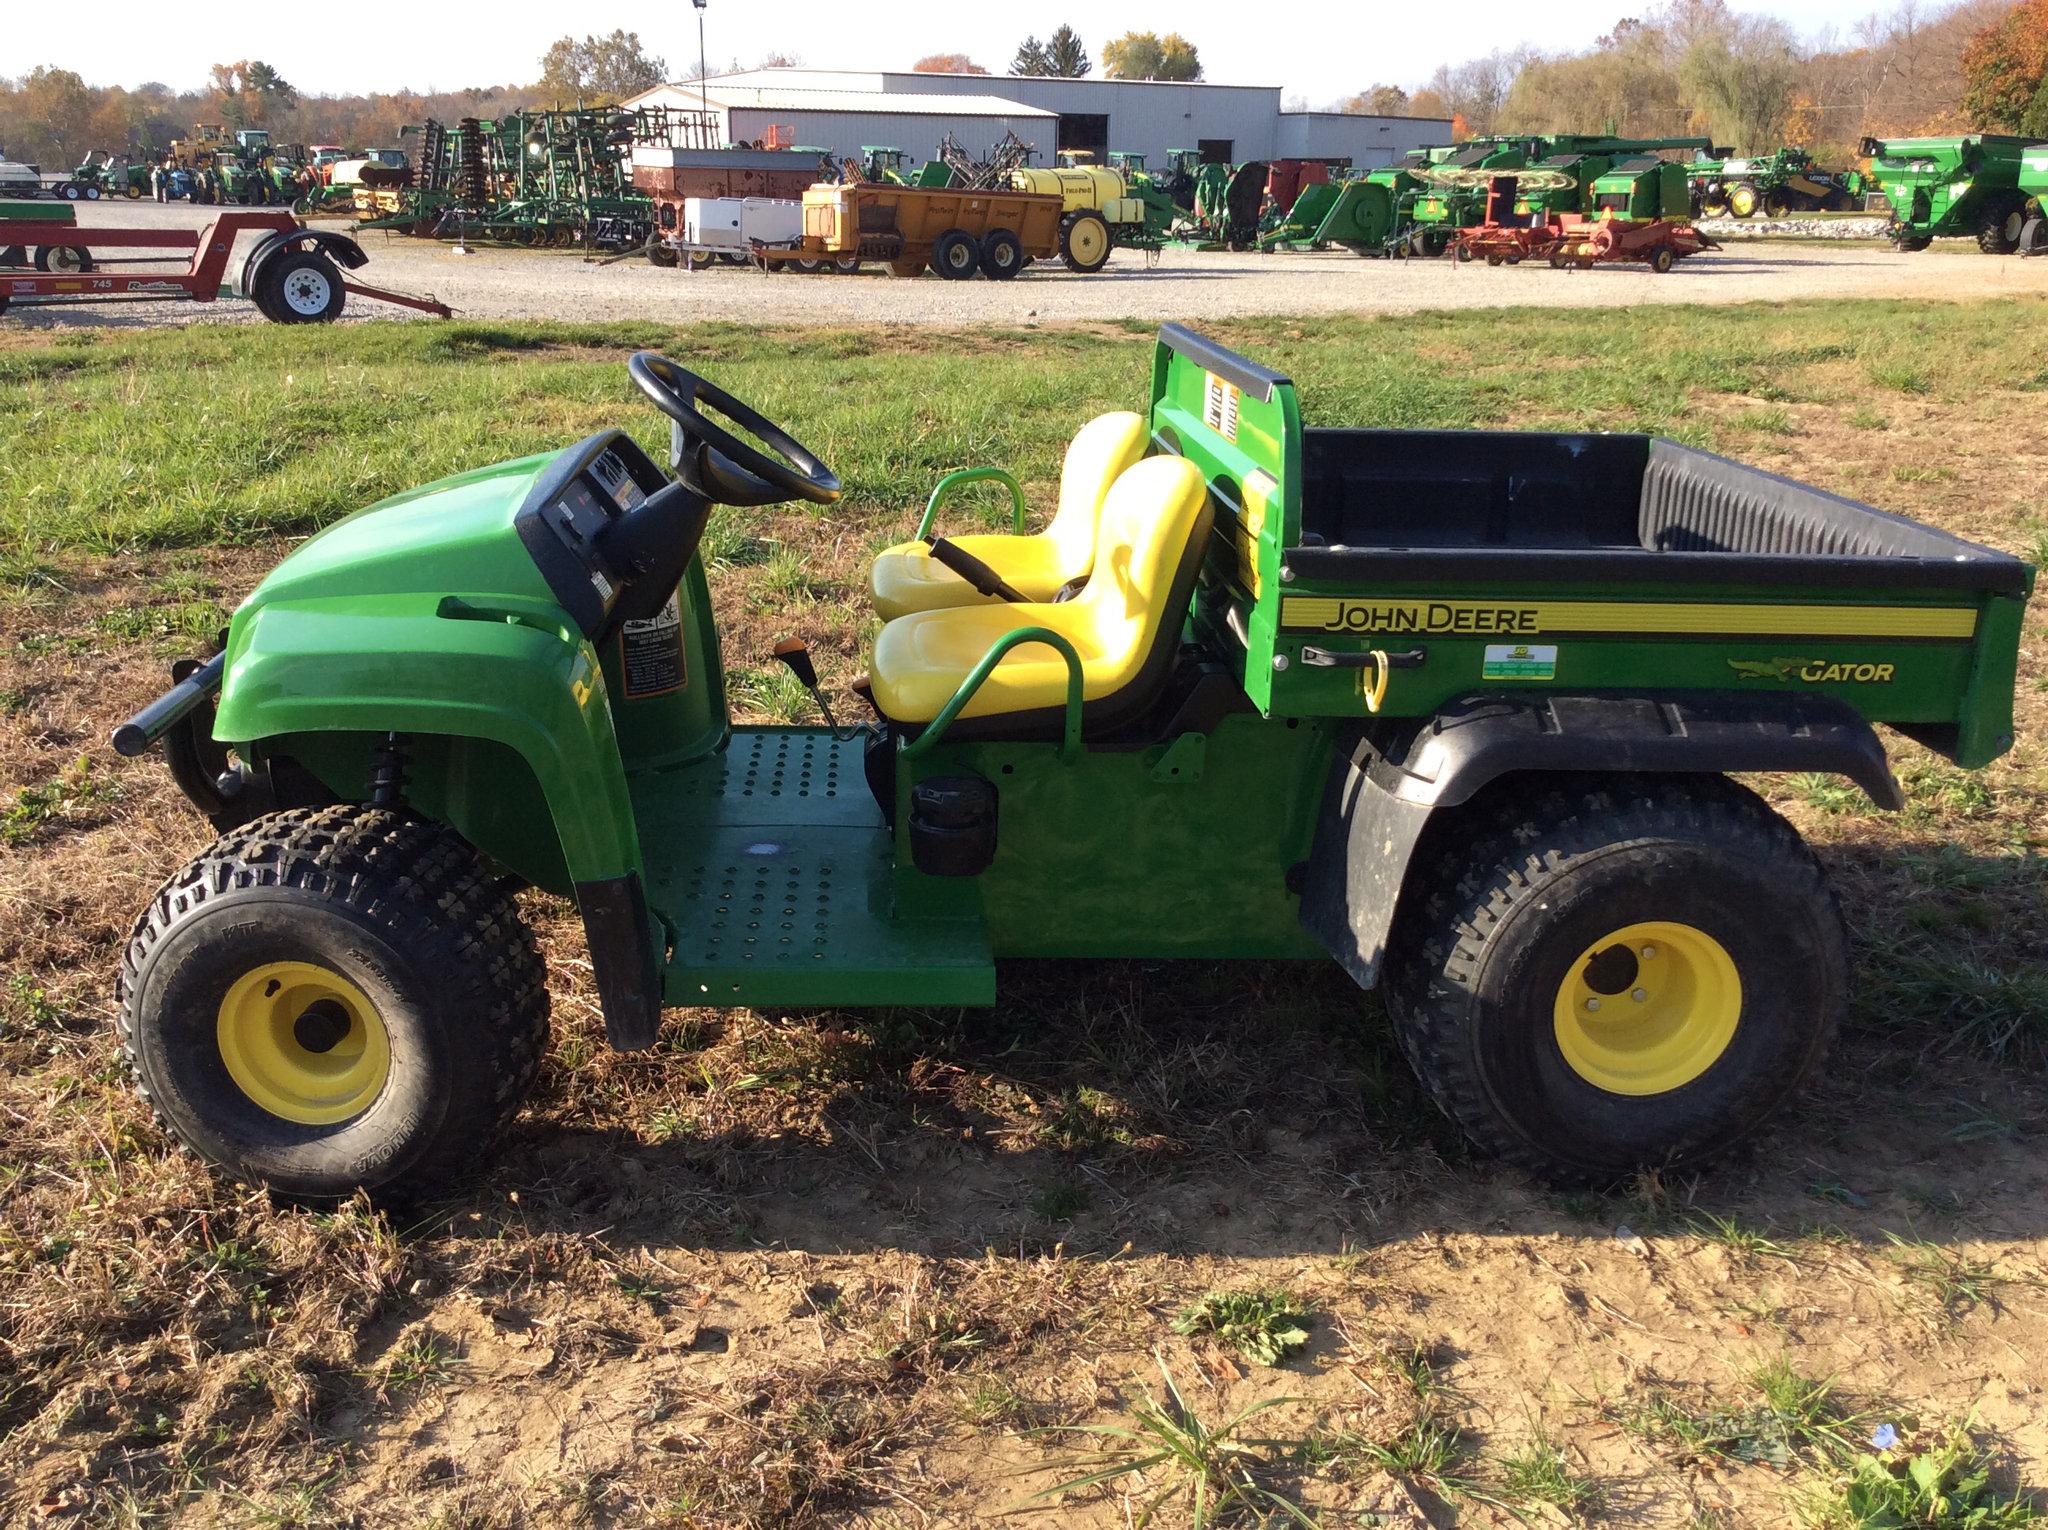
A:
(1316, 613)
(1219, 406)
(1259, 488)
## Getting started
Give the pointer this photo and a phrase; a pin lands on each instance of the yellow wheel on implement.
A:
(1743, 201)
(1084, 242)
(303, 1042)
(1648, 1008)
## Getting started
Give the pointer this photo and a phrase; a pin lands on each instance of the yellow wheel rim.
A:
(1088, 240)
(1742, 201)
(1649, 1008)
(303, 1042)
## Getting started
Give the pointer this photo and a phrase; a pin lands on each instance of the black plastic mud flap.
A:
(1393, 775)
(623, 959)
(1356, 866)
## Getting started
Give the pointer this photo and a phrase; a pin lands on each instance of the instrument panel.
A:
(576, 499)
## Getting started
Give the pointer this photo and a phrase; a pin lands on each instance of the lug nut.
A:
(1640, 995)
(1649, 952)
(1592, 1004)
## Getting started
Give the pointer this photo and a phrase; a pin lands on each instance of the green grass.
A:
(1541, 1473)
(1783, 1418)
(188, 437)
(72, 791)
(1943, 1485)
(1266, 1326)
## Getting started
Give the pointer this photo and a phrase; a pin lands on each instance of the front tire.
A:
(1611, 976)
(1085, 242)
(333, 999)
(1998, 231)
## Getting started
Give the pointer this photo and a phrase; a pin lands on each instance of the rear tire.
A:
(1743, 200)
(1689, 892)
(422, 998)
(1085, 242)
(63, 258)
(298, 287)
(1998, 230)
(956, 255)
(1002, 255)
(1662, 260)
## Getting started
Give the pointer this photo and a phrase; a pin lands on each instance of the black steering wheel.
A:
(718, 464)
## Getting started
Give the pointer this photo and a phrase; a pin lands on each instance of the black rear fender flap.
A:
(1392, 777)
(339, 248)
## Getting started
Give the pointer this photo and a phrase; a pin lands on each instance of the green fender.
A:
(510, 730)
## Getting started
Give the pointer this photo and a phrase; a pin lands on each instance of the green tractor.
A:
(1456, 710)
(1777, 185)
(99, 176)
(884, 165)
(1945, 188)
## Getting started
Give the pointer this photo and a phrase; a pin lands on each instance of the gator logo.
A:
(1812, 671)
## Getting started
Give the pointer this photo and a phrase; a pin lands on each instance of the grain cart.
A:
(1454, 709)
(1941, 188)
(958, 234)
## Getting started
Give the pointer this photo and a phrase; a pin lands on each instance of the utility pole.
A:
(702, 71)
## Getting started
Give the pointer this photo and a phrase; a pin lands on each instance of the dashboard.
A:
(577, 498)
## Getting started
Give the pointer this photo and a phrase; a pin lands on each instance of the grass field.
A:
(1140, 1227)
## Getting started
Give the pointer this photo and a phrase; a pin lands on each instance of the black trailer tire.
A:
(1085, 242)
(63, 258)
(68, 191)
(1998, 229)
(659, 254)
(956, 255)
(1002, 255)
(1662, 259)
(298, 287)
(1687, 902)
(92, 193)
(397, 938)
(846, 265)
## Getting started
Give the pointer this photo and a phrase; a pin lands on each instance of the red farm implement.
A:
(293, 274)
(1572, 241)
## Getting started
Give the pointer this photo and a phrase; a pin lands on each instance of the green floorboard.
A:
(772, 864)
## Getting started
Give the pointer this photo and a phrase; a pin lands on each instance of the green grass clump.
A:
(1946, 1485)
(1542, 1473)
(1266, 1326)
(75, 789)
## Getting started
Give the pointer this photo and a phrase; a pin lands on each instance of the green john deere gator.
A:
(1945, 188)
(1456, 710)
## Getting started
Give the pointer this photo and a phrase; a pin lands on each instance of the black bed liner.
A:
(1406, 506)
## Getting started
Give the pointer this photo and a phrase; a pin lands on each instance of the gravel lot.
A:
(524, 284)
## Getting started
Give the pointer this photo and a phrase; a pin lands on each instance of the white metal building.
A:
(845, 120)
(1230, 123)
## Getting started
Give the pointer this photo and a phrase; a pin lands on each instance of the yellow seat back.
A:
(1155, 520)
(1096, 458)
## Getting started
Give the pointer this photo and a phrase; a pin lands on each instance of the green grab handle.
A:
(962, 477)
(1070, 733)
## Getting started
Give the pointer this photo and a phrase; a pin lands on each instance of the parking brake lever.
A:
(795, 656)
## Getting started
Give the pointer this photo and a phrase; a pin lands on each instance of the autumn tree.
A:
(1740, 81)
(600, 68)
(946, 63)
(2004, 67)
(1148, 56)
(1378, 101)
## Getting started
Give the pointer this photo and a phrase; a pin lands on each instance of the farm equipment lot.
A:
(1191, 286)
(821, 1268)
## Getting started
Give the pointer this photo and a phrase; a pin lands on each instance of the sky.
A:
(1313, 48)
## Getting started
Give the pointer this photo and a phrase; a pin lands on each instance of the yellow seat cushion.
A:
(1156, 516)
(906, 578)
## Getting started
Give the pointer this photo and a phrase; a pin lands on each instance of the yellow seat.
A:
(907, 578)
(1124, 625)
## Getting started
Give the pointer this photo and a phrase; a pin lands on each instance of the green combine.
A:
(1463, 712)
(1953, 188)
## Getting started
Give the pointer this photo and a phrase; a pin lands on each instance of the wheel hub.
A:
(303, 1042)
(1648, 1008)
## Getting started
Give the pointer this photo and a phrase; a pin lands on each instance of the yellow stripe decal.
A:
(1390, 614)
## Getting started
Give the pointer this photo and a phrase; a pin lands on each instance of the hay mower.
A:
(1943, 188)
(293, 274)
(1453, 709)
(1777, 185)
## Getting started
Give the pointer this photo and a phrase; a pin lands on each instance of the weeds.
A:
(1789, 1418)
(1266, 1326)
(1945, 1485)
(74, 790)
(1213, 1470)
(1954, 1280)
(1541, 1473)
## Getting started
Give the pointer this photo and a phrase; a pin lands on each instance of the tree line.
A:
(1699, 68)
(1684, 67)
